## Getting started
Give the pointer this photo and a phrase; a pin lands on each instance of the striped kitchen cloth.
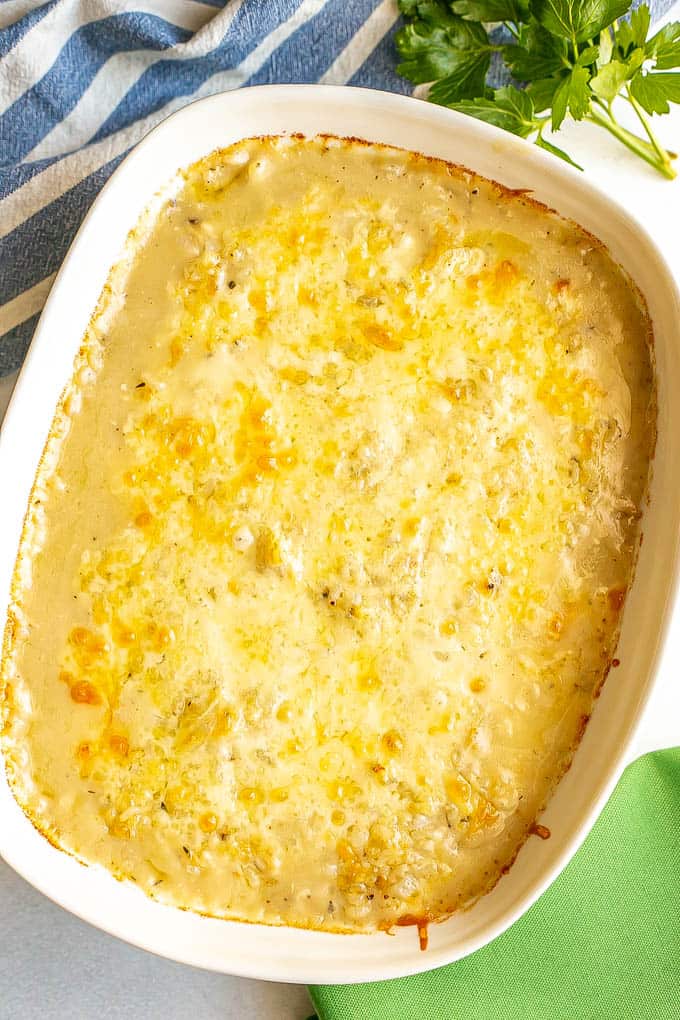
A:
(81, 81)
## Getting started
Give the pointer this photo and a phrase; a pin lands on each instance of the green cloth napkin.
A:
(602, 943)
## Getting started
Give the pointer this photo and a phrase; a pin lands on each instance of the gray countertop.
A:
(55, 967)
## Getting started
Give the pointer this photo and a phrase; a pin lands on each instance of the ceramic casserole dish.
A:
(617, 731)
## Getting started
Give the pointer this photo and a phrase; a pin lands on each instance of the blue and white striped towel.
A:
(81, 81)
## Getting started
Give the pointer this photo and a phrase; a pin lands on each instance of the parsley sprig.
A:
(574, 57)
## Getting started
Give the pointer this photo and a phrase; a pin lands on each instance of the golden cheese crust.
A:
(325, 562)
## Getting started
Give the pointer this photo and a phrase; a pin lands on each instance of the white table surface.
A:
(55, 967)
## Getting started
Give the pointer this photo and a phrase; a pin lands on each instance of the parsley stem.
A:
(637, 145)
(661, 153)
(511, 28)
(606, 106)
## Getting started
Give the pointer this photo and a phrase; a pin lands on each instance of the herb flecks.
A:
(572, 58)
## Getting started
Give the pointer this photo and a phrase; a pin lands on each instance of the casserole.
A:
(298, 955)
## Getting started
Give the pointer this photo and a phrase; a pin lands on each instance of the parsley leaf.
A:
(665, 47)
(588, 56)
(508, 108)
(631, 34)
(572, 94)
(442, 45)
(433, 11)
(537, 54)
(466, 81)
(491, 10)
(654, 91)
(577, 20)
(543, 143)
(640, 20)
(606, 48)
(542, 93)
(409, 8)
(610, 79)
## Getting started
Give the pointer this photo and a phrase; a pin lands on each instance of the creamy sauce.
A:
(325, 561)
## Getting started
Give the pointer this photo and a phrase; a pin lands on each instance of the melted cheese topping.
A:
(325, 561)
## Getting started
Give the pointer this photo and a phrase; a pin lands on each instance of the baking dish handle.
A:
(660, 723)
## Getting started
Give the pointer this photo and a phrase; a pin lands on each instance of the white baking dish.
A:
(286, 954)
